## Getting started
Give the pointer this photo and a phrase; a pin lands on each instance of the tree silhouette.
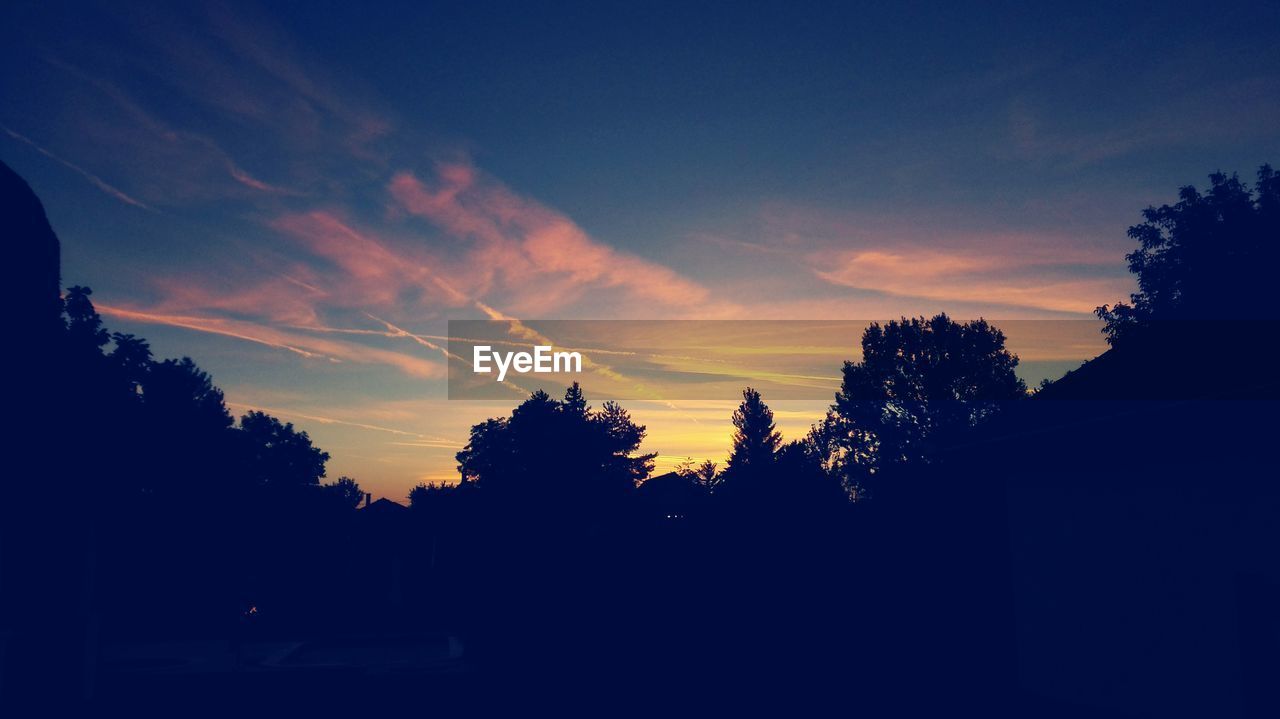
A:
(84, 325)
(183, 426)
(132, 359)
(549, 450)
(488, 454)
(809, 486)
(164, 420)
(575, 402)
(919, 380)
(616, 437)
(827, 450)
(755, 436)
(755, 445)
(278, 455)
(1209, 256)
(705, 474)
(344, 491)
(179, 393)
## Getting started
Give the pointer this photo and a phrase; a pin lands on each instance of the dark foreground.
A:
(1088, 582)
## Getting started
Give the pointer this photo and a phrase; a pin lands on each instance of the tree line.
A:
(164, 515)
(173, 428)
(921, 384)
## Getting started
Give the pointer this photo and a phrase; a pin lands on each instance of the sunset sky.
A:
(289, 196)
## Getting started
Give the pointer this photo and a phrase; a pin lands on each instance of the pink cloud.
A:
(278, 299)
(933, 260)
(1020, 279)
(539, 256)
(372, 271)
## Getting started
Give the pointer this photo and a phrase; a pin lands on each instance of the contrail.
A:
(98, 182)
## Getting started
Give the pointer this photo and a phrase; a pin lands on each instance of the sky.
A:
(298, 196)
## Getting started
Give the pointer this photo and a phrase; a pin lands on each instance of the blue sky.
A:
(288, 193)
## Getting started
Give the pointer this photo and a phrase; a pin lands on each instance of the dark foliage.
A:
(560, 455)
(278, 455)
(755, 439)
(705, 474)
(920, 381)
(345, 491)
(1208, 257)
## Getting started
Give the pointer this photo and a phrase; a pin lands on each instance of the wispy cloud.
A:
(295, 342)
(534, 254)
(170, 162)
(1234, 109)
(969, 277)
(240, 175)
(415, 438)
(922, 262)
(93, 179)
(372, 272)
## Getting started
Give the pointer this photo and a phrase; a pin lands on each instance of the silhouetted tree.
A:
(755, 444)
(755, 436)
(834, 449)
(85, 334)
(617, 438)
(144, 520)
(345, 491)
(805, 483)
(562, 452)
(919, 380)
(184, 429)
(132, 359)
(1209, 256)
(575, 402)
(101, 384)
(704, 474)
(180, 394)
(278, 455)
(488, 453)
(707, 474)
